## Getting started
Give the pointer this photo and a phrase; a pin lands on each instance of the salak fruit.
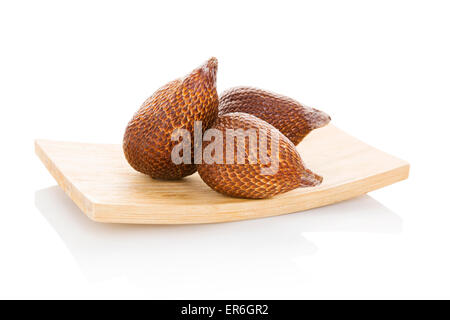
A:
(292, 118)
(252, 173)
(148, 142)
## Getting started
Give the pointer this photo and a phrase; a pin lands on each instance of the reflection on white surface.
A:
(184, 252)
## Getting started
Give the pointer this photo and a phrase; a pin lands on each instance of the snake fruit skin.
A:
(147, 142)
(246, 180)
(292, 118)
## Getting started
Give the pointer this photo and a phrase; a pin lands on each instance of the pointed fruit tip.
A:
(310, 179)
(213, 62)
(211, 65)
(319, 119)
(209, 68)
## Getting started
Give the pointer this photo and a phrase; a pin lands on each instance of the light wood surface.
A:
(100, 181)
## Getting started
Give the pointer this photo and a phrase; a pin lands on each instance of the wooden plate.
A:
(100, 181)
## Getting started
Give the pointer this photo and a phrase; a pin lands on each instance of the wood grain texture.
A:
(102, 184)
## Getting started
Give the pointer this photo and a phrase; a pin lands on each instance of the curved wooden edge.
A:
(189, 215)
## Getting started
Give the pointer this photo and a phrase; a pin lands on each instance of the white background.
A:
(78, 70)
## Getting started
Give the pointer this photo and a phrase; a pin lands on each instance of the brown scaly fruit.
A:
(246, 180)
(292, 118)
(147, 142)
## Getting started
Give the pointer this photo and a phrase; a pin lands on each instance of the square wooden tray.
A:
(100, 181)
